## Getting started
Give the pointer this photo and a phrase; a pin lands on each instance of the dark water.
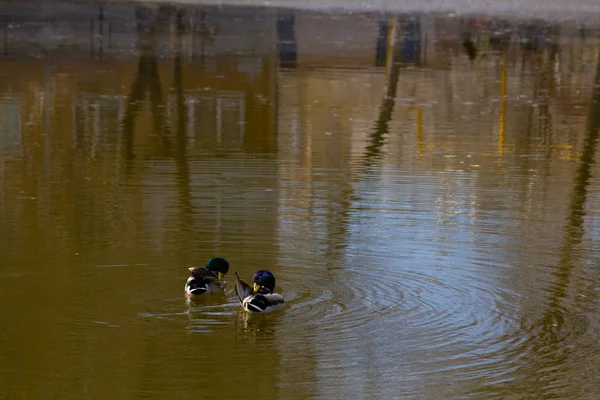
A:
(423, 186)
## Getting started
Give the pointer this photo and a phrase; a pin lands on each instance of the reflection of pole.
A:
(419, 130)
(377, 140)
(382, 41)
(92, 38)
(48, 107)
(178, 87)
(202, 26)
(181, 161)
(390, 44)
(101, 33)
(502, 120)
(6, 37)
(286, 39)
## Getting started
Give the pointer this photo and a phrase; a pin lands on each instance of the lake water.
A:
(423, 186)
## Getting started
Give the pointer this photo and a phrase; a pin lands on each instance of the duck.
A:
(259, 298)
(207, 279)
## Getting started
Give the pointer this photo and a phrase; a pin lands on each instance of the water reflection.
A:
(405, 176)
(564, 321)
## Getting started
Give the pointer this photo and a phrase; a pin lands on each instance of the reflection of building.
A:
(95, 120)
(341, 40)
(65, 100)
(227, 67)
(221, 113)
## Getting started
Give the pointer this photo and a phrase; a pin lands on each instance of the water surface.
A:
(423, 186)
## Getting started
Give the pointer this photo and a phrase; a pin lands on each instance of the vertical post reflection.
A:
(502, 119)
(101, 32)
(419, 130)
(286, 39)
(381, 129)
(382, 40)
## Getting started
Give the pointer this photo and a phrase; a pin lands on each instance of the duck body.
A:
(203, 281)
(261, 298)
(264, 303)
(208, 279)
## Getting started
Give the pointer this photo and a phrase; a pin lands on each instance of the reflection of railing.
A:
(214, 115)
(95, 117)
(10, 124)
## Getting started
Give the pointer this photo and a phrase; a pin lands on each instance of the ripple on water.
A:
(467, 320)
(204, 314)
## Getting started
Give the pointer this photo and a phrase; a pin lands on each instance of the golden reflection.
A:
(502, 120)
(391, 42)
(194, 304)
(256, 327)
(419, 130)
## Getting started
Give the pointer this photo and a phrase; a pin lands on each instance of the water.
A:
(423, 186)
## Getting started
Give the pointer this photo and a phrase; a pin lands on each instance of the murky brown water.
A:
(424, 187)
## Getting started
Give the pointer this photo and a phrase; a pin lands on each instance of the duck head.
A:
(218, 265)
(264, 282)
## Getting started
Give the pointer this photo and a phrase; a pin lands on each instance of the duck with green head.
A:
(207, 279)
(260, 297)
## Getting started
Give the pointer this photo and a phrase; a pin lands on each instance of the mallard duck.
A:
(207, 279)
(260, 298)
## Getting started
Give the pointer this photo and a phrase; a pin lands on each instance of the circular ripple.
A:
(459, 318)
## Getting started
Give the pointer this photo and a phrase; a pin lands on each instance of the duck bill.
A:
(256, 287)
(220, 275)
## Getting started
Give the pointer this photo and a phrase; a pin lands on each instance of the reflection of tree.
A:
(378, 135)
(546, 91)
(542, 93)
(467, 33)
(181, 160)
(338, 221)
(147, 80)
(548, 333)
(574, 230)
